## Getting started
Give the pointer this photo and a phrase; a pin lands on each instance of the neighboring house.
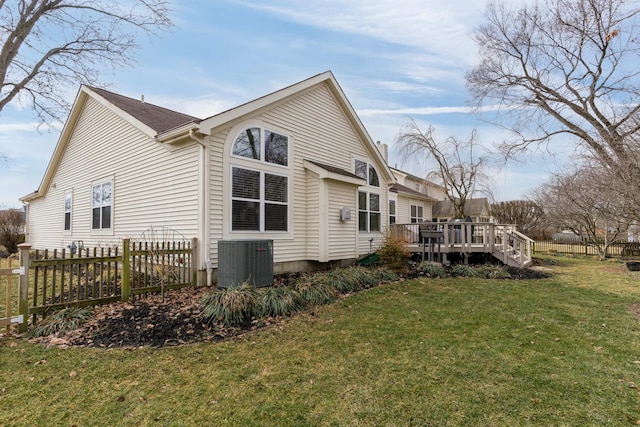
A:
(477, 209)
(295, 166)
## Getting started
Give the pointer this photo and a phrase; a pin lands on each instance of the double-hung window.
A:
(392, 211)
(417, 214)
(259, 201)
(260, 186)
(101, 206)
(68, 203)
(368, 211)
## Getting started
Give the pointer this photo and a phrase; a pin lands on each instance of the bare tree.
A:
(527, 214)
(11, 229)
(49, 45)
(562, 67)
(578, 201)
(458, 171)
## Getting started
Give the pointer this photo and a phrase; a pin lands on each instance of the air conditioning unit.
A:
(242, 261)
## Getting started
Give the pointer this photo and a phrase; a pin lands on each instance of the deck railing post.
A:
(23, 302)
(126, 269)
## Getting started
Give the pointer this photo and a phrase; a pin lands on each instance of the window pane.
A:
(373, 177)
(413, 211)
(361, 169)
(276, 148)
(106, 194)
(95, 218)
(374, 202)
(275, 217)
(392, 219)
(246, 184)
(67, 221)
(362, 221)
(362, 200)
(67, 202)
(375, 222)
(97, 195)
(247, 144)
(420, 211)
(245, 215)
(392, 207)
(106, 217)
(275, 188)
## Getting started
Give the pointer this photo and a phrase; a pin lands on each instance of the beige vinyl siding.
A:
(152, 187)
(318, 131)
(342, 235)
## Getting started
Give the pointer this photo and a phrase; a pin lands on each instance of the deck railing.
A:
(501, 240)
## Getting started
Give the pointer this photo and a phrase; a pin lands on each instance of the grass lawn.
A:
(437, 352)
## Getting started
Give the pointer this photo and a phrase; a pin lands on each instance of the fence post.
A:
(23, 302)
(126, 270)
(194, 262)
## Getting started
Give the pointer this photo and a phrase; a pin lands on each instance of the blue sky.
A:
(393, 59)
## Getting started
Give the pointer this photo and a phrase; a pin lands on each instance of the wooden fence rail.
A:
(60, 279)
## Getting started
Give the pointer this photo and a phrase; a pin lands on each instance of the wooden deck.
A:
(438, 240)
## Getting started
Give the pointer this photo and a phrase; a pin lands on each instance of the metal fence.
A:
(584, 248)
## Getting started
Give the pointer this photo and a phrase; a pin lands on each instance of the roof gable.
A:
(159, 119)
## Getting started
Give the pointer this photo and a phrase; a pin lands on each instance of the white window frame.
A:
(263, 145)
(393, 214)
(262, 202)
(102, 229)
(419, 213)
(369, 167)
(369, 212)
(68, 210)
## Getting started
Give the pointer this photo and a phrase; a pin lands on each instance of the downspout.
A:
(204, 206)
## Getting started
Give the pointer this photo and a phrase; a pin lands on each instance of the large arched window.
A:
(368, 201)
(261, 144)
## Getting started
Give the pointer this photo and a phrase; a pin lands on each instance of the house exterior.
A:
(477, 209)
(295, 166)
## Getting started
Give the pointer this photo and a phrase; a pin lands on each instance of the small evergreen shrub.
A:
(62, 321)
(314, 290)
(280, 301)
(463, 270)
(432, 269)
(394, 254)
(234, 306)
(489, 271)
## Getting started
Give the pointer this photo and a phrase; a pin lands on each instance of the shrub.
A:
(280, 301)
(62, 321)
(432, 269)
(489, 271)
(314, 290)
(394, 253)
(463, 270)
(233, 306)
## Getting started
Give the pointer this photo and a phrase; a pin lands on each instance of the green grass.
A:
(440, 352)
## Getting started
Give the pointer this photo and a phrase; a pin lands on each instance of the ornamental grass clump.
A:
(385, 274)
(62, 321)
(490, 271)
(463, 270)
(431, 269)
(343, 280)
(315, 290)
(280, 301)
(365, 277)
(234, 306)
